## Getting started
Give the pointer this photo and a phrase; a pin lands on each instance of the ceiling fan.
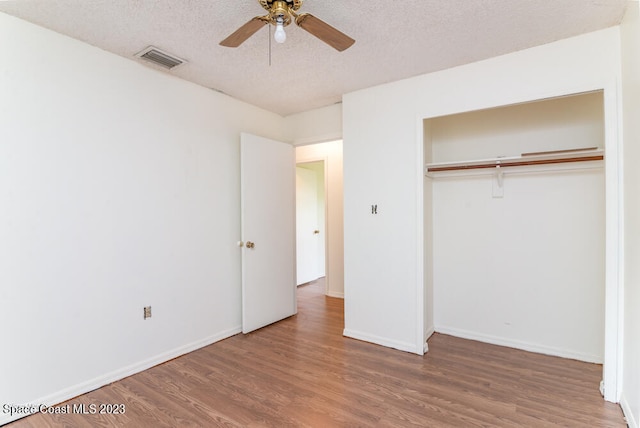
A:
(281, 13)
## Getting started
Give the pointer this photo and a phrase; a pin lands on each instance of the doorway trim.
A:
(611, 386)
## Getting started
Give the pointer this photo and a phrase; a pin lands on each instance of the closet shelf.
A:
(526, 159)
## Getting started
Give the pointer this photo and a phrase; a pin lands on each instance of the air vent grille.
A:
(158, 57)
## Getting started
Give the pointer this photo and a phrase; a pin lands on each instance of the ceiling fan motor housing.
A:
(280, 9)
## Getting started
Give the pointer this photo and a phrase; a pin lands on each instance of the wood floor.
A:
(301, 372)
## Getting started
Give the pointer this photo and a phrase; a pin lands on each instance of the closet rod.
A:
(507, 163)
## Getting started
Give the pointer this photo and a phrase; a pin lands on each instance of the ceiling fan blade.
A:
(243, 33)
(325, 32)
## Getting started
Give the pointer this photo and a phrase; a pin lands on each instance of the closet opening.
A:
(515, 227)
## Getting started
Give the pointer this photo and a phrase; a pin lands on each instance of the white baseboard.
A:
(428, 333)
(389, 343)
(525, 346)
(335, 294)
(100, 381)
(632, 421)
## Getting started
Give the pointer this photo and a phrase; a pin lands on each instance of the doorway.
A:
(325, 160)
(310, 222)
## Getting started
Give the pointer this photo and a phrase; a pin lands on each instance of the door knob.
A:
(250, 244)
(315, 232)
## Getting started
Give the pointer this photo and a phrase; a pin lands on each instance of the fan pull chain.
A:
(269, 44)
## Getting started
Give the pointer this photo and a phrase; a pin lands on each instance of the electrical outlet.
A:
(147, 312)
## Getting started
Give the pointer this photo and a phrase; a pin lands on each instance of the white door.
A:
(268, 231)
(307, 227)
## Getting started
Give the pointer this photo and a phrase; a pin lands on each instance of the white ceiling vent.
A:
(159, 57)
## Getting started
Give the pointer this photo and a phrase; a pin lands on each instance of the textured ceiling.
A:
(394, 39)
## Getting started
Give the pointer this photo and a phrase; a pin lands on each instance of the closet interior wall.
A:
(521, 262)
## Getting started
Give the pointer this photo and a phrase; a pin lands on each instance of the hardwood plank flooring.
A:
(301, 372)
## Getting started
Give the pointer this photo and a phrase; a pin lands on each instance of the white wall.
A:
(331, 153)
(119, 189)
(315, 126)
(383, 152)
(526, 270)
(630, 36)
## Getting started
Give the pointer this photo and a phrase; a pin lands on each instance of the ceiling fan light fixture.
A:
(280, 15)
(280, 36)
